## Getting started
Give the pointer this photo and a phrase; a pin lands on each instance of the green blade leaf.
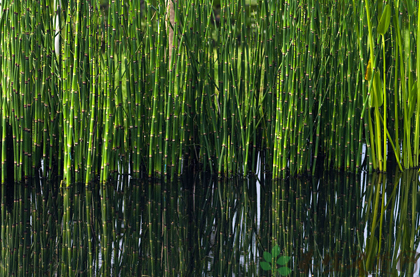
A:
(412, 100)
(376, 92)
(380, 6)
(410, 7)
(385, 20)
(283, 260)
(406, 39)
(284, 271)
(267, 256)
(371, 251)
(418, 203)
(265, 266)
(275, 251)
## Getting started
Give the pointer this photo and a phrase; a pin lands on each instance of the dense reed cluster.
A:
(129, 87)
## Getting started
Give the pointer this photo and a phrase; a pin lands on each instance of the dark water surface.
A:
(334, 225)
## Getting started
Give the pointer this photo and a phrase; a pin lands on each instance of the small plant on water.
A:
(269, 264)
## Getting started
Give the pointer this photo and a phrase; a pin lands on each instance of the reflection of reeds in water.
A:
(321, 224)
(342, 224)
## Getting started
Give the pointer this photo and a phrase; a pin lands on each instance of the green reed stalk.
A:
(375, 95)
(93, 94)
(417, 118)
(382, 29)
(107, 104)
(3, 139)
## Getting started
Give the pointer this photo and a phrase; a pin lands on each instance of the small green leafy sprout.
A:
(282, 261)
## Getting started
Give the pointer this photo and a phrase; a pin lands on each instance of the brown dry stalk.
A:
(171, 17)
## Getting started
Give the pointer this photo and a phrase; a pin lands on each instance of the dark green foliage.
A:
(98, 89)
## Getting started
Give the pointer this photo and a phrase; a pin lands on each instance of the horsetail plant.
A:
(159, 87)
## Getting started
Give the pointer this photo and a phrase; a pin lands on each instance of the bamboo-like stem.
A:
(417, 118)
(91, 90)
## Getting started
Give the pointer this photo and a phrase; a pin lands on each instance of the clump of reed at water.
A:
(157, 87)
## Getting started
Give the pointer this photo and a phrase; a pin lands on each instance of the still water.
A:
(337, 224)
